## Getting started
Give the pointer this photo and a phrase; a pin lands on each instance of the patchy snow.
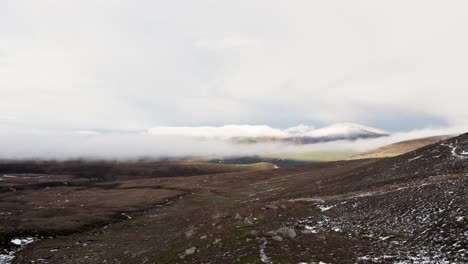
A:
(19, 243)
(415, 158)
(324, 208)
(22, 241)
(7, 258)
(431, 232)
(126, 215)
(263, 256)
(311, 229)
(453, 150)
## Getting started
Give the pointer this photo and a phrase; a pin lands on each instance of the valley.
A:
(408, 209)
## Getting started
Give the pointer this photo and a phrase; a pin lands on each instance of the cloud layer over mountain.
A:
(39, 144)
(221, 132)
(332, 132)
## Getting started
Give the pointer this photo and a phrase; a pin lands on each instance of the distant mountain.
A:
(346, 131)
(248, 134)
(305, 135)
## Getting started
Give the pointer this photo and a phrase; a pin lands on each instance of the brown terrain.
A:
(408, 209)
(402, 147)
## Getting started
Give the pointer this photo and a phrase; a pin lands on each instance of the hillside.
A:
(399, 148)
(406, 209)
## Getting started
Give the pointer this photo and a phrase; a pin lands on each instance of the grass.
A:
(246, 234)
(250, 259)
(314, 155)
(223, 167)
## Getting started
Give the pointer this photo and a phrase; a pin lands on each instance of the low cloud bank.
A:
(229, 131)
(233, 131)
(113, 146)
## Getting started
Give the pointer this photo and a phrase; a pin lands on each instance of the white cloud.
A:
(226, 43)
(298, 130)
(222, 132)
(7, 118)
(40, 144)
(87, 132)
(233, 131)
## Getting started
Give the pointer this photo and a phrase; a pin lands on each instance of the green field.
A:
(314, 155)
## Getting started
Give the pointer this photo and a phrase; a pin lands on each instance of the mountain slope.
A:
(346, 131)
(448, 157)
(402, 147)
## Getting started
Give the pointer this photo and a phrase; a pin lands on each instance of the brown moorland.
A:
(409, 208)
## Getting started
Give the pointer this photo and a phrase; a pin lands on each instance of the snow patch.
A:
(453, 150)
(263, 256)
(415, 158)
(8, 255)
(22, 241)
(7, 258)
(126, 215)
(324, 208)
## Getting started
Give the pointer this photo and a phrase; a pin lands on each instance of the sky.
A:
(127, 66)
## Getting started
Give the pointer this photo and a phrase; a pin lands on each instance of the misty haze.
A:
(304, 132)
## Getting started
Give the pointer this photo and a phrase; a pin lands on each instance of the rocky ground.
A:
(407, 209)
(402, 147)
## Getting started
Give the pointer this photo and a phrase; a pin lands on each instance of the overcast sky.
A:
(131, 65)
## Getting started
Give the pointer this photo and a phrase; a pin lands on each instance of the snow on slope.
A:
(346, 130)
(333, 132)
